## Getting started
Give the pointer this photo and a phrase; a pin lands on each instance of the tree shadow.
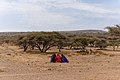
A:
(38, 52)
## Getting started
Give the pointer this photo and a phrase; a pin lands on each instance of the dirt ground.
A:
(17, 65)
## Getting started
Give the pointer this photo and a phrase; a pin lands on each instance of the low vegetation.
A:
(43, 41)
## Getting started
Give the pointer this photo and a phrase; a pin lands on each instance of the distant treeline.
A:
(43, 41)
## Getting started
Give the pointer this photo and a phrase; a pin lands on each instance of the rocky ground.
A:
(17, 65)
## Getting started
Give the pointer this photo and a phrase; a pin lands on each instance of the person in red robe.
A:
(58, 58)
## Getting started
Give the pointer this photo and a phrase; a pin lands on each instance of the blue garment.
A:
(53, 58)
(64, 59)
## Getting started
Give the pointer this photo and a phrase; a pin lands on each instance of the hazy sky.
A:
(56, 15)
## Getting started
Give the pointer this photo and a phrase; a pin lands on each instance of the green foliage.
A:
(101, 44)
(114, 32)
(81, 42)
(23, 41)
(42, 40)
(92, 41)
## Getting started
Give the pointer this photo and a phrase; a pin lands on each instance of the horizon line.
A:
(53, 30)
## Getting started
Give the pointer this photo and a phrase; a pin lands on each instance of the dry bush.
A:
(1, 70)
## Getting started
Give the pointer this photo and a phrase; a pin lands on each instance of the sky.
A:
(58, 15)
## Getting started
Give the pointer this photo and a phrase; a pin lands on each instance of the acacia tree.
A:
(70, 41)
(60, 40)
(82, 42)
(114, 42)
(92, 41)
(114, 32)
(23, 42)
(31, 42)
(45, 41)
(102, 43)
(42, 40)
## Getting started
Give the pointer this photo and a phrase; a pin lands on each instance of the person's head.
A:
(57, 54)
(62, 55)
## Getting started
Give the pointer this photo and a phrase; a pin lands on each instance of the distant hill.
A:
(12, 33)
(77, 32)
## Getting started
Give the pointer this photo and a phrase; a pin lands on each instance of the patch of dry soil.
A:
(16, 65)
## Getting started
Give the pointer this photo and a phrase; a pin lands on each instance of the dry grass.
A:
(33, 65)
(1, 70)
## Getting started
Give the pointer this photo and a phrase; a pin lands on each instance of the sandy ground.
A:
(16, 65)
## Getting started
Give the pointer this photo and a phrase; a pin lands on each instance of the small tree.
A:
(92, 41)
(102, 44)
(70, 41)
(114, 43)
(114, 32)
(24, 42)
(45, 41)
(60, 41)
(82, 42)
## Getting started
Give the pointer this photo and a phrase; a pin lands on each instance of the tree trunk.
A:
(59, 50)
(113, 47)
(32, 47)
(25, 48)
